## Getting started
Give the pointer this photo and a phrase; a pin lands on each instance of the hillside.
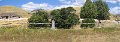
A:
(24, 13)
(118, 16)
(15, 10)
(77, 10)
(14, 22)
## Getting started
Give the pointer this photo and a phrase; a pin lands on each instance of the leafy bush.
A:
(88, 23)
(39, 16)
(65, 17)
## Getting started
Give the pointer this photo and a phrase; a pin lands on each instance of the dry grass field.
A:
(22, 22)
(110, 32)
(60, 35)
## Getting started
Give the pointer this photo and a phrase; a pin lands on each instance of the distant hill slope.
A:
(78, 9)
(118, 16)
(15, 10)
(115, 17)
(24, 13)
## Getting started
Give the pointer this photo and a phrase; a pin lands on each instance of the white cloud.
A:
(73, 2)
(113, 1)
(70, 3)
(66, 3)
(32, 6)
(63, 6)
(115, 10)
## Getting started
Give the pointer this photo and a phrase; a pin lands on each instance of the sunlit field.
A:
(60, 35)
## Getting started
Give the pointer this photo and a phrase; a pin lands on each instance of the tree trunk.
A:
(99, 23)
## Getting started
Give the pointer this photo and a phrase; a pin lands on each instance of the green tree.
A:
(40, 16)
(88, 10)
(103, 10)
(65, 17)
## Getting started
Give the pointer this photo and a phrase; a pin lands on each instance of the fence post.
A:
(53, 24)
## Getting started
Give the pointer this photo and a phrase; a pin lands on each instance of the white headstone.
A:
(53, 24)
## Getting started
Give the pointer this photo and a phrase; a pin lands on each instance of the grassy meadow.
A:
(60, 35)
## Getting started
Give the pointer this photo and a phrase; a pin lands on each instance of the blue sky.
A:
(114, 5)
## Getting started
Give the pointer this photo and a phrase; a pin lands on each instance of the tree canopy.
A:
(40, 16)
(103, 10)
(65, 17)
(88, 10)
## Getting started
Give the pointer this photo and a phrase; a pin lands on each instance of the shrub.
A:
(65, 17)
(40, 16)
(88, 23)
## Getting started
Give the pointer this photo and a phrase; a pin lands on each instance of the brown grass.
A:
(61, 35)
(14, 10)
